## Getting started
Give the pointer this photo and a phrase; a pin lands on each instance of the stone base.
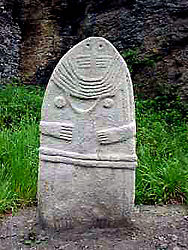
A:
(72, 196)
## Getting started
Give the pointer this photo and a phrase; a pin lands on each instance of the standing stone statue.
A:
(87, 153)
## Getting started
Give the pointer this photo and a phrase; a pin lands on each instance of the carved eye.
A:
(87, 45)
(101, 46)
(108, 103)
(59, 101)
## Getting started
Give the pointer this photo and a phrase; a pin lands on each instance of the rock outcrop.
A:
(152, 35)
(10, 41)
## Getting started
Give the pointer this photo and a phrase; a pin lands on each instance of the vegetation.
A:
(135, 61)
(19, 141)
(162, 148)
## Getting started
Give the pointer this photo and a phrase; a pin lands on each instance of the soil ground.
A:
(149, 227)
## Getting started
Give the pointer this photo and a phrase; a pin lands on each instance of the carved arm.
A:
(57, 129)
(116, 134)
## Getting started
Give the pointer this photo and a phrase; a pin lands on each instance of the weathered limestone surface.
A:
(87, 153)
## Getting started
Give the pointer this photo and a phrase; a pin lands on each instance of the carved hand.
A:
(116, 134)
(57, 129)
(103, 137)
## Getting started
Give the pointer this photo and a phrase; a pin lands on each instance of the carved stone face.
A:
(93, 61)
(89, 71)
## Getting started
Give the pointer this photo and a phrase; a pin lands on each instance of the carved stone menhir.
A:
(87, 153)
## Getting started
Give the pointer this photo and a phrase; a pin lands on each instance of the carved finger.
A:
(66, 137)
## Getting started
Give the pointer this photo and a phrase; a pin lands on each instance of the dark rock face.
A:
(159, 29)
(156, 29)
(9, 43)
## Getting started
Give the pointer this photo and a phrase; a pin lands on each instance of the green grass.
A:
(19, 163)
(162, 148)
(19, 142)
(19, 104)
